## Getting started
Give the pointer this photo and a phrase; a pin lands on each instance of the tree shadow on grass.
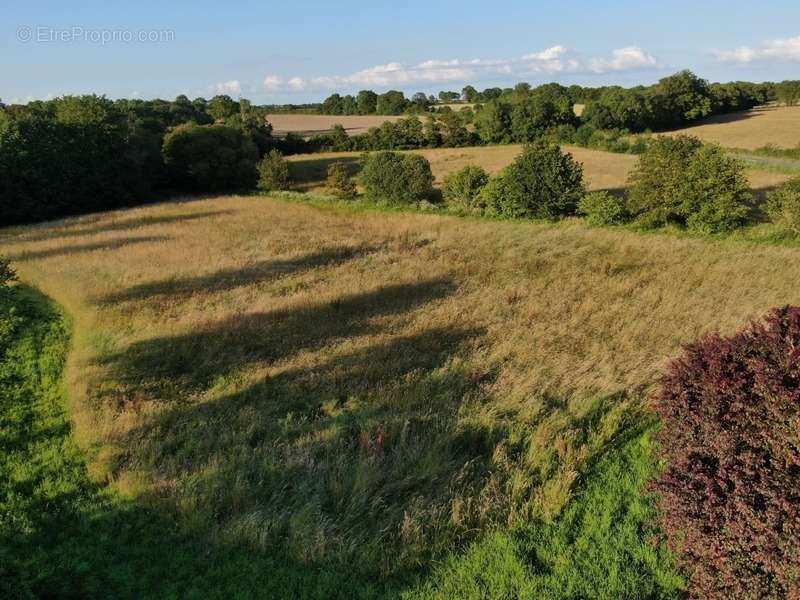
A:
(758, 205)
(63, 535)
(82, 248)
(327, 461)
(313, 172)
(78, 228)
(171, 366)
(229, 279)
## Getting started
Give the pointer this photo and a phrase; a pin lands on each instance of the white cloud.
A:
(772, 50)
(273, 83)
(550, 61)
(624, 59)
(29, 98)
(296, 84)
(229, 87)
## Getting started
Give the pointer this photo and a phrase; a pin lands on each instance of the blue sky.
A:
(305, 50)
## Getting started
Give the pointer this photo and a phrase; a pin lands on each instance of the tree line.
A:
(673, 101)
(80, 154)
(75, 154)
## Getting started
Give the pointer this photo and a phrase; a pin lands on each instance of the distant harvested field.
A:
(578, 109)
(778, 125)
(307, 125)
(456, 105)
(602, 170)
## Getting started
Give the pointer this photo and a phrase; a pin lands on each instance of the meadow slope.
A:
(602, 170)
(372, 387)
(761, 126)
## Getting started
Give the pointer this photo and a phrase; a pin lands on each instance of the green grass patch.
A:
(604, 545)
(64, 535)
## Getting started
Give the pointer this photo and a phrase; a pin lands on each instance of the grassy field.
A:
(308, 125)
(386, 390)
(456, 106)
(602, 170)
(777, 125)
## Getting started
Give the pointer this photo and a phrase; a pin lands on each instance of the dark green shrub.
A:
(639, 145)
(8, 317)
(583, 135)
(490, 197)
(69, 156)
(730, 494)
(340, 183)
(461, 189)
(563, 133)
(396, 177)
(603, 208)
(681, 181)
(542, 183)
(273, 172)
(210, 158)
(783, 205)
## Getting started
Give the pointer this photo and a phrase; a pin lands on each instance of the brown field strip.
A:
(602, 170)
(777, 125)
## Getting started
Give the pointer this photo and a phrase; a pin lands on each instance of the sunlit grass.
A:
(371, 388)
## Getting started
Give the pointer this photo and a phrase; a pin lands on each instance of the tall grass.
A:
(367, 391)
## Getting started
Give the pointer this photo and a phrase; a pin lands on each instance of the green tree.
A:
(391, 103)
(603, 208)
(332, 105)
(461, 190)
(783, 205)
(339, 182)
(788, 92)
(68, 156)
(618, 108)
(679, 180)
(493, 122)
(453, 131)
(210, 158)
(367, 102)
(542, 183)
(396, 177)
(681, 98)
(273, 172)
(469, 94)
(221, 107)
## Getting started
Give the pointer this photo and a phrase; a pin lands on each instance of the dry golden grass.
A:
(456, 106)
(602, 170)
(370, 386)
(308, 125)
(777, 125)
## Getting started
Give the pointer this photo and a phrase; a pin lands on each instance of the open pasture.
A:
(776, 125)
(424, 377)
(308, 125)
(602, 170)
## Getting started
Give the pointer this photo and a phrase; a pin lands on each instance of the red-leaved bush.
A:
(730, 492)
